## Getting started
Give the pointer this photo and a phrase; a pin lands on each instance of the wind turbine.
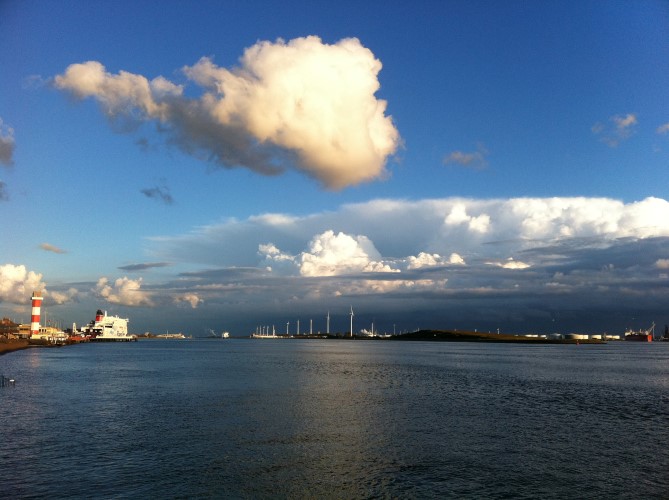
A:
(351, 321)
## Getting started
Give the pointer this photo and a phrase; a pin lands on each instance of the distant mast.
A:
(351, 321)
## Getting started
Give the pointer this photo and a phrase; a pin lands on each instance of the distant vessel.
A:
(641, 335)
(171, 336)
(223, 335)
(108, 329)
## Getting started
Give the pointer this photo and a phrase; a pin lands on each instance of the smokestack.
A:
(35, 315)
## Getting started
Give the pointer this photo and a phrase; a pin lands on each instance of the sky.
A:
(227, 165)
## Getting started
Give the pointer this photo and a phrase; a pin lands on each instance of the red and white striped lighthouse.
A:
(35, 316)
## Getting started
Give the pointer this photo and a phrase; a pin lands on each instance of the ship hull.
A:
(119, 338)
(639, 338)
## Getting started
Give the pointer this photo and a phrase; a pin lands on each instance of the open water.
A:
(335, 419)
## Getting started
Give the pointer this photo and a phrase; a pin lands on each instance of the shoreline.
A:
(468, 336)
(7, 346)
(13, 345)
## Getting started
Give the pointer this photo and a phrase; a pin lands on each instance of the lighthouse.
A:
(35, 315)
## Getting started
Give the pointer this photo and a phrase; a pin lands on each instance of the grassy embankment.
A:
(12, 345)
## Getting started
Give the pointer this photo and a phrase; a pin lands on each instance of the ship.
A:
(641, 335)
(108, 329)
(171, 336)
(214, 335)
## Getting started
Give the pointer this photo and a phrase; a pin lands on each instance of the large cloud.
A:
(302, 104)
(17, 283)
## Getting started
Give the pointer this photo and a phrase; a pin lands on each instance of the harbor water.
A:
(238, 418)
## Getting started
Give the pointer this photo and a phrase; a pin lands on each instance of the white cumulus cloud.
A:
(331, 254)
(123, 291)
(458, 217)
(303, 104)
(424, 259)
(17, 284)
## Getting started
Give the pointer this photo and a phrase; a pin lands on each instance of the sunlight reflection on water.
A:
(343, 419)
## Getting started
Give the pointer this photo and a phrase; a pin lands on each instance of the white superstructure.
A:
(108, 328)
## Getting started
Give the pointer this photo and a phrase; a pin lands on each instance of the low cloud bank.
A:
(392, 232)
(550, 262)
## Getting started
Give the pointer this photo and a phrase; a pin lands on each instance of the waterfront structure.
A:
(262, 332)
(8, 328)
(49, 335)
(35, 314)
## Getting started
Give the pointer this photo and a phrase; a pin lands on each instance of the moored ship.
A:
(108, 329)
(641, 335)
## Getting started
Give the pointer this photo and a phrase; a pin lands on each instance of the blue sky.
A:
(443, 164)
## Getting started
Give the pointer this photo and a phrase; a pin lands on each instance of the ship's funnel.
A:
(99, 315)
